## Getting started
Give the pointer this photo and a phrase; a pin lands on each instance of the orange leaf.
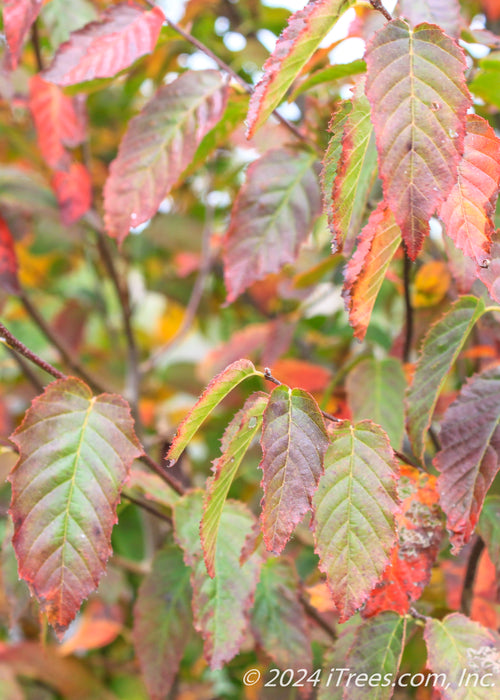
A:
(97, 626)
(432, 281)
(301, 374)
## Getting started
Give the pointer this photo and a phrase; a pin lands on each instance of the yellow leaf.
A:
(432, 282)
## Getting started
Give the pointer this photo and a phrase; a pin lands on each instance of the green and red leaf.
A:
(469, 458)
(440, 349)
(159, 145)
(467, 212)
(293, 441)
(122, 34)
(18, 18)
(354, 513)
(75, 454)
(304, 33)
(272, 216)
(416, 87)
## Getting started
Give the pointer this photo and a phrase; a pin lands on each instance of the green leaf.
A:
(278, 619)
(62, 23)
(75, 454)
(464, 656)
(384, 402)
(220, 604)
(237, 439)
(486, 83)
(440, 348)
(329, 75)
(218, 389)
(330, 687)
(354, 508)
(304, 33)
(162, 618)
(294, 441)
(272, 216)
(489, 528)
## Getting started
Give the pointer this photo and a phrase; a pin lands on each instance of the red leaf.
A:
(366, 270)
(492, 8)
(470, 453)
(59, 121)
(64, 498)
(73, 190)
(294, 442)
(8, 261)
(444, 13)
(18, 16)
(420, 531)
(159, 145)
(97, 626)
(101, 49)
(416, 86)
(467, 211)
(490, 275)
(272, 216)
(301, 374)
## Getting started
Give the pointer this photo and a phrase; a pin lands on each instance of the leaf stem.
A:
(377, 5)
(408, 307)
(163, 474)
(35, 40)
(145, 506)
(20, 348)
(470, 575)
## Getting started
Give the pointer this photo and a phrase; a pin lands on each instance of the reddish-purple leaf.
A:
(8, 261)
(470, 453)
(18, 16)
(365, 271)
(162, 618)
(464, 658)
(490, 275)
(354, 508)
(158, 146)
(294, 441)
(59, 121)
(444, 13)
(416, 86)
(220, 604)
(75, 454)
(304, 33)
(73, 188)
(101, 49)
(467, 211)
(273, 214)
(218, 389)
(278, 618)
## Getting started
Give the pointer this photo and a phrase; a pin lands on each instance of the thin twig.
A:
(470, 575)
(418, 616)
(59, 344)
(35, 40)
(134, 567)
(194, 300)
(26, 369)
(145, 506)
(314, 615)
(377, 5)
(167, 478)
(19, 347)
(409, 309)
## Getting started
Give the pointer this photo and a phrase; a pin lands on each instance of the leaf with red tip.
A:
(9, 281)
(220, 604)
(356, 172)
(416, 87)
(304, 33)
(444, 13)
(218, 389)
(420, 530)
(490, 275)
(101, 49)
(467, 211)
(294, 441)
(18, 17)
(460, 651)
(440, 349)
(73, 188)
(159, 144)
(162, 616)
(469, 458)
(237, 439)
(365, 271)
(272, 215)
(354, 507)
(75, 454)
(59, 121)
(278, 618)
(331, 163)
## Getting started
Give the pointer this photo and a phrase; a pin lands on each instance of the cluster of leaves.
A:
(179, 231)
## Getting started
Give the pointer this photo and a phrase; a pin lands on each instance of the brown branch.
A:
(409, 309)
(318, 619)
(145, 506)
(470, 575)
(19, 347)
(163, 474)
(35, 41)
(377, 5)
(59, 344)
(26, 369)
